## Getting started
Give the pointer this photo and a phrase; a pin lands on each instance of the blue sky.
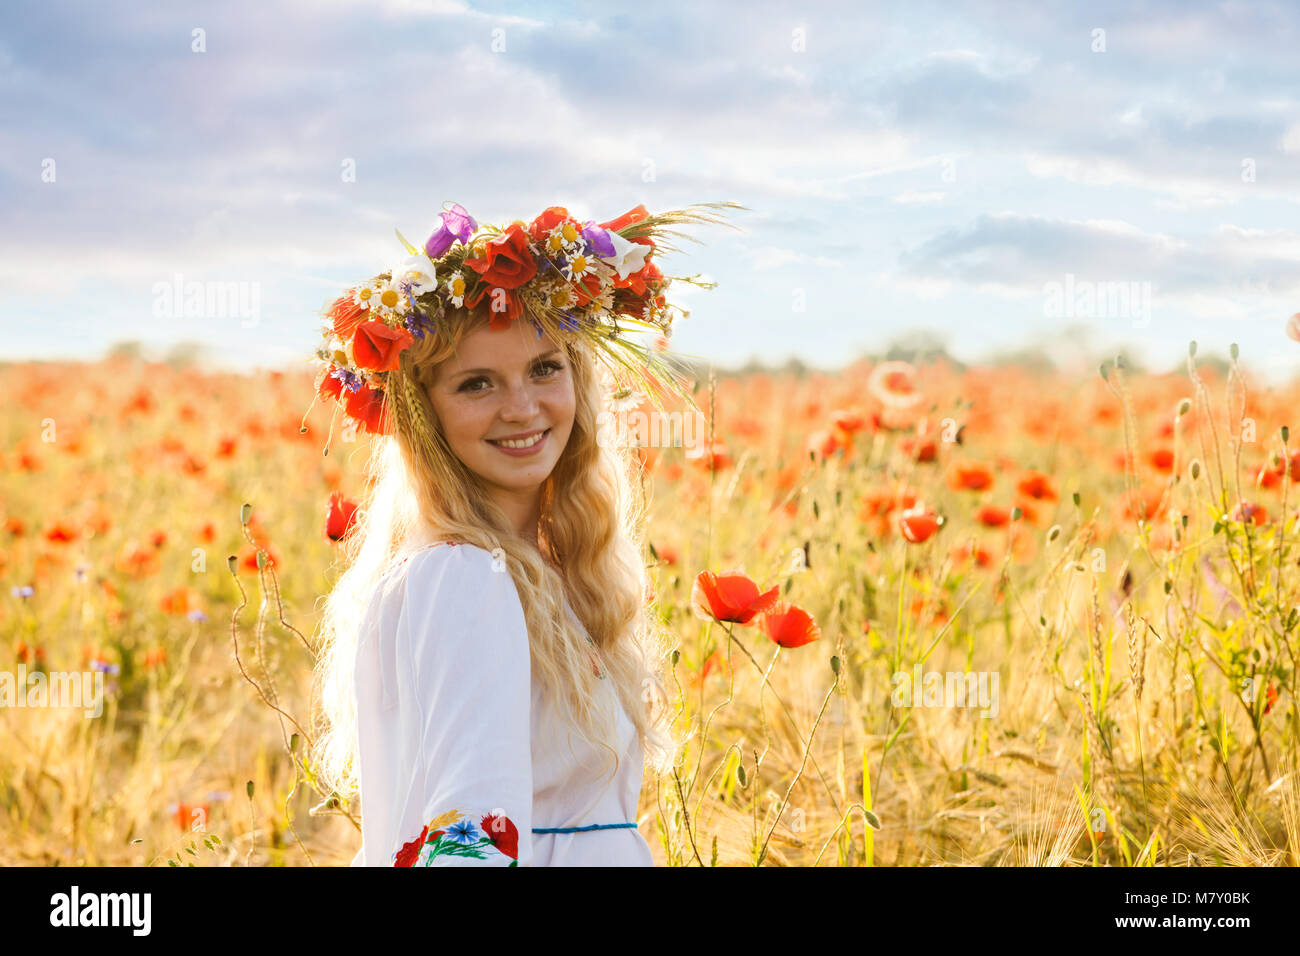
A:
(907, 166)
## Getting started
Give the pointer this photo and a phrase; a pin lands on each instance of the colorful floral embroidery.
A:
(455, 834)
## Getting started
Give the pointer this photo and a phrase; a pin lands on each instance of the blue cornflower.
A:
(197, 615)
(569, 322)
(417, 323)
(351, 382)
(463, 832)
(24, 592)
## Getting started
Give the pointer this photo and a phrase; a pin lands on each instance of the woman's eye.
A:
(546, 369)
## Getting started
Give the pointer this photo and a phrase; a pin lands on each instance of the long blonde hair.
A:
(592, 516)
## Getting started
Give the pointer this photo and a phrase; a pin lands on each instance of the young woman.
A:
(490, 674)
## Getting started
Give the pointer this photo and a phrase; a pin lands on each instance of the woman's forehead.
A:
(500, 348)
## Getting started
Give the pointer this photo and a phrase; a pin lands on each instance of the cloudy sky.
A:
(1001, 174)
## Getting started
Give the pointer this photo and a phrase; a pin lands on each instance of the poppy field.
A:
(926, 615)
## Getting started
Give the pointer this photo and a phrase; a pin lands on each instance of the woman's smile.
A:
(521, 447)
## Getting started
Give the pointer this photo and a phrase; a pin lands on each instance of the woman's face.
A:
(506, 384)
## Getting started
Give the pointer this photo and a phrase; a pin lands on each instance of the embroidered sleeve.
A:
(455, 834)
(472, 678)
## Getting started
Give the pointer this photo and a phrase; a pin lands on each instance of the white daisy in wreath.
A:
(578, 266)
(456, 288)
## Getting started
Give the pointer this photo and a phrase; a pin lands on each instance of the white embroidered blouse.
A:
(462, 756)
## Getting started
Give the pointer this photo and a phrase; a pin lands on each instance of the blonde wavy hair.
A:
(592, 519)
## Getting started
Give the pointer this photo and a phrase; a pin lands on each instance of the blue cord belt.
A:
(594, 826)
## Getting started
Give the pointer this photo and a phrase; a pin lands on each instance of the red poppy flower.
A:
(972, 477)
(180, 601)
(993, 516)
(730, 596)
(541, 227)
(497, 319)
(826, 442)
(627, 219)
(137, 560)
(62, 533)
(918, 524)
(790, 625)
(922, 449)
(249, 563)
(1267, 478)
(1162, 459)
(507, 262)
(340, 516)
(191, 817)
(640, 281)
(586, 289)
(503, 834)
(1293, 463)
(1249, 511)
(410, 852)
(981, 557)
(848, 421)
(1270, 698)
(366, 405)
(1036, 484)
(378, 346)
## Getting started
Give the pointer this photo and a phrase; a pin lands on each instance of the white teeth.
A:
(524, 443)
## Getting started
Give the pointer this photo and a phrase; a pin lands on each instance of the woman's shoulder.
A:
(438, 555)
(452, 571)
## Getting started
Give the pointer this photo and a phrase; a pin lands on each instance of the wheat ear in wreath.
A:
(421, 427)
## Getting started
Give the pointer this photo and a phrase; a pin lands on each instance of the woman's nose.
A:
(520, 403)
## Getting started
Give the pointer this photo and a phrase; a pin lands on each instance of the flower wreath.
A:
(593, 279)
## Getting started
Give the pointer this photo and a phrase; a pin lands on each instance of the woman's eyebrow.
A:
(480, 371)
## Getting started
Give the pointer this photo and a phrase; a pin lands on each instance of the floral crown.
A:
(592, 279)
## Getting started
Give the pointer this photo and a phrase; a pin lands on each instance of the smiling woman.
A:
(510, 610)
(494, 599)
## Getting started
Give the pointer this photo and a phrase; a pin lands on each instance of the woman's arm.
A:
(469, 659)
